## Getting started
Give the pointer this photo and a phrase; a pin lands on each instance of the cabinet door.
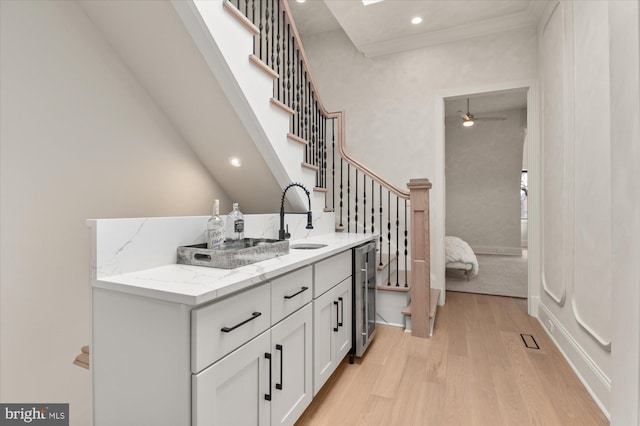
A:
(292, 359)
(232, 391)
(343, 293)
(325, 325)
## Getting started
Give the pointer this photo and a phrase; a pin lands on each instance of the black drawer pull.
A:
(335, 302)
(340, 323)
(294, 295)
(279, 348)
(267, 396)
(253, 316)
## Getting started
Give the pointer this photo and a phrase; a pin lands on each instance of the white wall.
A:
(624, 44)
(390, 100)
(482, 172)
(589, 205)
(80, 139)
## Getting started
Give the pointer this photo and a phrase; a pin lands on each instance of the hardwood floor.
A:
(475, 370)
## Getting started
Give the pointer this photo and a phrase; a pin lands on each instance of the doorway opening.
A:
(486, 193)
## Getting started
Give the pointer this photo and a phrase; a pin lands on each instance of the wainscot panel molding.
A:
(553, 157)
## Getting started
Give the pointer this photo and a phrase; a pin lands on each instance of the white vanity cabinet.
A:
(331, 316)
(267, 380)
(168, 350)
(232, 391)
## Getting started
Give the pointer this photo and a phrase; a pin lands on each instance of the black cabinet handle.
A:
(294, 295)
(267, 396)
(279, 348)
(335, 302)
(253, 316)
(341, 311)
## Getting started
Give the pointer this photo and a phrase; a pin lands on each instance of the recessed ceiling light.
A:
(235, 162)
(368, 2)
(416, 20)
(301, 1)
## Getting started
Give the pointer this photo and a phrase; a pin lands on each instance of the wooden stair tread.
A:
(310, 166)
(82, 360)
(398, 289)
(246, 22)
(281, 106)
(384, 259)
(397, 277)
(319, 189)
(297, 139)
(435, 295)
(328, 210)
(339, 228)
(262, 66)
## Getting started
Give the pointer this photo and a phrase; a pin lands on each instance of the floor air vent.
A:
(529, 341)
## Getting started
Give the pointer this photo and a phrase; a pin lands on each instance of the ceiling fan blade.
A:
(491, 118)
(463, 115)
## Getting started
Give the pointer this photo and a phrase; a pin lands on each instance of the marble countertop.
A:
(195, 285)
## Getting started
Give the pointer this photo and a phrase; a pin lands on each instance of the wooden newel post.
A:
(420, 257)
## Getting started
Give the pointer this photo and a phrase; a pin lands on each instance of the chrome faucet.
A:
(282, 234)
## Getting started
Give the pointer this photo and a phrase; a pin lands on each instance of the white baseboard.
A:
(592, 377)
(515, 251)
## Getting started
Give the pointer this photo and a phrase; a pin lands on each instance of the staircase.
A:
(253, 49)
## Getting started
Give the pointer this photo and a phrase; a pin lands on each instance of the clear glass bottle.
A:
(235, 224)
(215, 227)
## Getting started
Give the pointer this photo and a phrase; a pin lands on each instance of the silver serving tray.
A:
(232, 254)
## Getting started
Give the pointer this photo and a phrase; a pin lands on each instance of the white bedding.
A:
(457, 252)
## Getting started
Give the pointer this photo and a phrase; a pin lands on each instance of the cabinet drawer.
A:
(221, 327)
(329, 272)
(290, 292)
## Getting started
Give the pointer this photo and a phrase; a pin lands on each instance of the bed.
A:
(460, 257)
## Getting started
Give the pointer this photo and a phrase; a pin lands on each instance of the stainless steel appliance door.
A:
(364, 296)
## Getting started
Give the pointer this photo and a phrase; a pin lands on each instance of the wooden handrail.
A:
(358, 165)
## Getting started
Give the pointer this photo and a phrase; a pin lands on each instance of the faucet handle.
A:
(287, 235)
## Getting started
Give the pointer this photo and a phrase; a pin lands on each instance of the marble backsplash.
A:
(121, 246)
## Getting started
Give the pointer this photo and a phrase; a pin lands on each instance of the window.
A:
(524, 194)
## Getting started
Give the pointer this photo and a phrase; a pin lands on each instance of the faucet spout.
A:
(282, 234)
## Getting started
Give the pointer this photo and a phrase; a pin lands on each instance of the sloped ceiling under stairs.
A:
(151, 40)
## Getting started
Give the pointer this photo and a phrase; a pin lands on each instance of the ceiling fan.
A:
(468, 119)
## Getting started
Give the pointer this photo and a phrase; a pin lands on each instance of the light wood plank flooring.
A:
(475, 370)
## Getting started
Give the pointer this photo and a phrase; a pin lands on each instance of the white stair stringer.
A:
(226, 45)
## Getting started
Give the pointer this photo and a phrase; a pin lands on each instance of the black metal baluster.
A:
(304, 117)
(298, 67)
(318, 145)
(356, 204)
(364, 203)
(260, 27)
(397, 238)
(373, 210)
(406, 251)
(333, 162)
(341, 173)
(381, 239)
(323, 153)
(289, 100)
(277, 31)
(273, 36)
(348, 197)
(253, 14)
(267, 29)
(312, 125)
(389, 236)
